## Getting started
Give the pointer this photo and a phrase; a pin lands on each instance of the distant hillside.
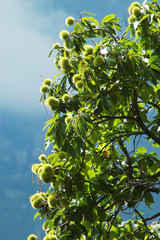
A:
(20, 140)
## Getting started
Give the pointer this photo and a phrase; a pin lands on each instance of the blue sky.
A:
(28, 30)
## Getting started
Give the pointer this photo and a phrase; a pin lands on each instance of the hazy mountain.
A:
(20, 140)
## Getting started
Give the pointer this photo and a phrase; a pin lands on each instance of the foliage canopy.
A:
(106, 106)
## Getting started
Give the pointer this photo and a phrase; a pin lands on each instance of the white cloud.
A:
(24, 46)
(13, 193)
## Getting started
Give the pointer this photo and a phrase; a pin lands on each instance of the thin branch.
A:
(65, 223)
(113, 217)
(144, 221)
(152, 217)
(105, 30)
(117, 117)
(101, 199)
(153, 104)
(122, 35)
(129, 160)
(140, 122)
(96, 29)
(83, 158)
(140, 170)
(119, 137)
(134, 145)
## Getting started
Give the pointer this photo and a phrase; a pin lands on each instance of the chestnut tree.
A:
(104, 131)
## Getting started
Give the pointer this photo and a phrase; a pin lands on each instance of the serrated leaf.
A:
(108, 18)
(92, 19)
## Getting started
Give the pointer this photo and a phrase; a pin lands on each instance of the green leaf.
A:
(50, 53)
(82, 126)
(155, 67)
(144, 17)
(91, 19)
(132, 30)
(88, 213)
(49, 122)
(145, 93)
(79, 144)
(108, 18)
(57, 75)
(89, 13)
(127, 29)
(148, 199)
(109, 28)
(155, 144)
(42, 97)
(153, 58)
(86, 117)
(91, 174)
(79, 183)
(36, 215)
(141, 150)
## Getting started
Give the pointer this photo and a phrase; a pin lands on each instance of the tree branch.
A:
(116, 138)
(144, 221)
(117, 117)
(112, 219)
(129, 160)
(154, 105)
(152, 217)
(140, 122)
(105, 30)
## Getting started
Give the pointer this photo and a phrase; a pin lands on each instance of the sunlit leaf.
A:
(108, 18)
